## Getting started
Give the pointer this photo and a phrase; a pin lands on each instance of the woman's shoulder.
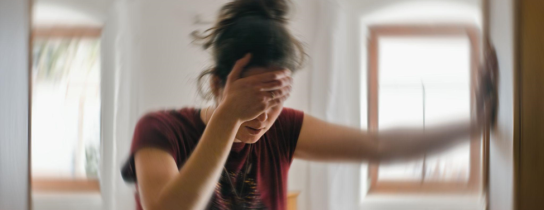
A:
(291, 114)
(158, 113)
(187, 113)
(170, 118)
(289, 119)
(286, 130)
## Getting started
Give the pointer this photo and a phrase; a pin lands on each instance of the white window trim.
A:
(72, 201)
(416, 202)
(422, 202)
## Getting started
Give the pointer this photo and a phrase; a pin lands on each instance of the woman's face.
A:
(251, 131)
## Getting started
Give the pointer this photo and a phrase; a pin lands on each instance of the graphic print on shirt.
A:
(225, 199)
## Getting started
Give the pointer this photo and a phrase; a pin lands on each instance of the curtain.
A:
(148, 64)
(334, 97)
(118, 118)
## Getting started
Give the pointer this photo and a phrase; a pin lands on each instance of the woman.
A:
(236, 154)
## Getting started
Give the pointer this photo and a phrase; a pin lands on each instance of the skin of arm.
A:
(162, 186)
(323, 141)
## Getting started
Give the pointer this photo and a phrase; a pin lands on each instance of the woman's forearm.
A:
(400, 144)
(193, 186)
(328, 142)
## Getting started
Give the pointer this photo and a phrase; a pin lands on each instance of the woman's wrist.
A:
(224, 115)
(476, 126)
(223, 124)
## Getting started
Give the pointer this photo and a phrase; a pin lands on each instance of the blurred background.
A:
(98, 66)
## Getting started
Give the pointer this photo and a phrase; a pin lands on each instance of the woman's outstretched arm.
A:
(323, 141)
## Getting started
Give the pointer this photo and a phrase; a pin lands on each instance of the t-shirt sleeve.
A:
(151, 131)
(292, 123)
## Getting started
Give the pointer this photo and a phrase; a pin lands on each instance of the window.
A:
(65, 119)
(420, 76)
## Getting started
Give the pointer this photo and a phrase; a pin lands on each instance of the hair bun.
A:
(230, 13)
(250, 26)
(272, 9)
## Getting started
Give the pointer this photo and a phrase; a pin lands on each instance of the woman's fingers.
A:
(272, 98)
(276, 85)
(279, 92)
(268, 77)
(278, 101)
(239, 66)
(268, 89)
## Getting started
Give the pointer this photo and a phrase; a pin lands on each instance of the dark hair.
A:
(258, 27)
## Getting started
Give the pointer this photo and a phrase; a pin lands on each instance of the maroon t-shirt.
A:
(264, 172)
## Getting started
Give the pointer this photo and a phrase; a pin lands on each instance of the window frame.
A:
(40, 185)
(68, 185)
(393, 187)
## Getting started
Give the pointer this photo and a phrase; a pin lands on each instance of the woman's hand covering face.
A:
(248, 97)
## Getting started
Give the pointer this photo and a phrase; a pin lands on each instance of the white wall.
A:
(46, 14)
(14, 103)
(501, 147)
